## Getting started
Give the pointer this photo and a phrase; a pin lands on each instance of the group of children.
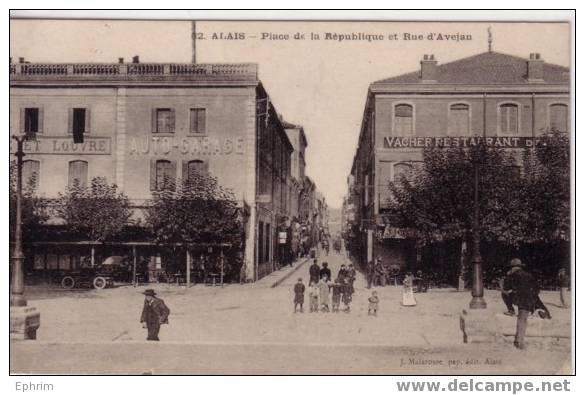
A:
(322, 291)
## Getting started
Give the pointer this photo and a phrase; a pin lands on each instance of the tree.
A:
(196, 211)
(547, 194)
(34, 208)
(438, 200)
(98, 212)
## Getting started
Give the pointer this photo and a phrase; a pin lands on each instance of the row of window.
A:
(460, 118)
(163, 173)
(163, 121)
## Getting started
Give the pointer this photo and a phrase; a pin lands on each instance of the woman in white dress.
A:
(408, 292)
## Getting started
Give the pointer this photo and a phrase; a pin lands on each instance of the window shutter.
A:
(201, 121)
(185, 170)
(22, 111)
(153, 120)
(205, 166)
(172, 122)
(87, 120)
(70, 121)
(513, 112)
(41, 119)
(173, 175)
(153, 175)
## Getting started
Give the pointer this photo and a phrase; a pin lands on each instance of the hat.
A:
(300, 279)
(516, 263)
(149, 292)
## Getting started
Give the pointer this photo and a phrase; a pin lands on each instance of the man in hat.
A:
(154, 314)
(521, 287)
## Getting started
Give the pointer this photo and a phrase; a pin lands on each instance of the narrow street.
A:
(215, 330)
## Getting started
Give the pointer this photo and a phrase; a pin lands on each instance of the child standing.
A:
(299, 294)
(336, 296)
(314, 298)
(324, 293)
(373, 306)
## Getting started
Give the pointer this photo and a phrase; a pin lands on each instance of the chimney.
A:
(428, 69)
(20, 60)
(135, 59)
(120, 60)
(535, 70)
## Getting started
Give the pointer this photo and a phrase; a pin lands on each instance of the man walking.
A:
(154, 314)
(523, 288)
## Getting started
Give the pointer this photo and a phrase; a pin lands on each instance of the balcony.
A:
(111, 72)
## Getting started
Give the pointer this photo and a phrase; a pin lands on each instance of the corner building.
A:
(505, 99)
(142, 122)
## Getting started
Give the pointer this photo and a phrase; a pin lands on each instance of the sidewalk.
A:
(276, 278)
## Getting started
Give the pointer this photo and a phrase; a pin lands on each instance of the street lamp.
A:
(477, 301)
(24, 320)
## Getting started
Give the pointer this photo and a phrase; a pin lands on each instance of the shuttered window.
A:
(198, 120)
(509, 118)
(163, 120)
(191, 167)
(163, 174)
(31, 173)
(31, 120)
(559, 117)
(403, 120)
(78, 173)
(459, 119)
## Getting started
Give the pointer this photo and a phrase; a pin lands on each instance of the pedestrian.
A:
(422, 284)
(564, 282)
(407, 291)
(299, 290)
(314, 298)
(336, 291)
(314, 271)
(347, 295)
(342, 272)
(511, 298)
(324, 293)
(351, 273)
(373, 304)
(370, 273)
(154, 314)
(524, 290)
(325, 271)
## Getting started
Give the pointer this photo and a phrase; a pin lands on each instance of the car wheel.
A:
(99, 283)
(68, 282)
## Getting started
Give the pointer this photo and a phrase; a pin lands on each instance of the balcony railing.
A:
(122, 70)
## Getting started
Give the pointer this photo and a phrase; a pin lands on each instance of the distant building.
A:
(506, 99)
(144, 122)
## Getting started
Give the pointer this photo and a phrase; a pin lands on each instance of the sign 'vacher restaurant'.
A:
(456, 142)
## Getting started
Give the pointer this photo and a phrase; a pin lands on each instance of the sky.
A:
(319, 84)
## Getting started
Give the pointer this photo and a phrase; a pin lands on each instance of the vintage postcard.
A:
(290, 197)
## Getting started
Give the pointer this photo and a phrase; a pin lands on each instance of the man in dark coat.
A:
(325, 271)
(523, 289)
(154, 314)
(314, 272)
(370, 273)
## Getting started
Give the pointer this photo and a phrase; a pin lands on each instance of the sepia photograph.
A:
(198, 196)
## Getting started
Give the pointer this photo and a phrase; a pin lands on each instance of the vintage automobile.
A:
(102, 276)
(90, 277)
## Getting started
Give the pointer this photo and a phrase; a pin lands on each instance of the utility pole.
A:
(193, 42)
(24, 320)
